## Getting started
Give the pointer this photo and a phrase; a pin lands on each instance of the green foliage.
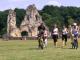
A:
(20, 13)
(3, 21)
(60, 15)
(70, 20)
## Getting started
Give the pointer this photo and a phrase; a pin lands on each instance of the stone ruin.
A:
(12, 29)
(29, 24)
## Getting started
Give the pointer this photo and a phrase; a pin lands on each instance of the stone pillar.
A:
(11, 21)
(12, 30)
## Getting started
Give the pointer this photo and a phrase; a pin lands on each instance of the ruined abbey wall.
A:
(29, 24)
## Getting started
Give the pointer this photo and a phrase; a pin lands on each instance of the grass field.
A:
(28, 50)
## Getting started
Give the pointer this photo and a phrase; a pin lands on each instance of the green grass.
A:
(27, 50)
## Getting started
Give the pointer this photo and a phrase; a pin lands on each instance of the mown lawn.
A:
(28, 50)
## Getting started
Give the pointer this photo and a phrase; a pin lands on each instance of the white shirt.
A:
(55, 31)
(45, 33)
(64, 31)
(74, 30)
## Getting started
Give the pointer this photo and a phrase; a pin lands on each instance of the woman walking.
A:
(55, 34)
(64, 35)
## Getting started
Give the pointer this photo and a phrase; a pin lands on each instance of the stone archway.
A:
(24, 33)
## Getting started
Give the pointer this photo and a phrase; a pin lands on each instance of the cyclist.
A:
(41, 30)
(74, 31)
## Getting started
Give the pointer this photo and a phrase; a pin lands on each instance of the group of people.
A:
(72, 31)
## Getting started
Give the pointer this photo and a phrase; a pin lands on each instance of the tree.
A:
(70, 20)
(20, 13)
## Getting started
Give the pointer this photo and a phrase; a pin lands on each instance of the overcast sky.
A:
(11, 4)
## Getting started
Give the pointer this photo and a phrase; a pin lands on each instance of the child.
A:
(45, 37)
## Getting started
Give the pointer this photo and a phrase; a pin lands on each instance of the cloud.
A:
(54, 3)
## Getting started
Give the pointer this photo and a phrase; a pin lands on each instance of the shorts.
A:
(75, 35)
(55, 37)
(64, 37)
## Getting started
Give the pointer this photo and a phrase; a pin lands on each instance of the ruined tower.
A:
(12, 30)
(31, 21)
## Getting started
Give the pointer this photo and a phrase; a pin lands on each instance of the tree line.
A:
(50, 14)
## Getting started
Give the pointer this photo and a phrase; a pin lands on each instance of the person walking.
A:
(55, 34)
(64, 35)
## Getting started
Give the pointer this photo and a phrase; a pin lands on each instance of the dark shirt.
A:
(41, 28)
